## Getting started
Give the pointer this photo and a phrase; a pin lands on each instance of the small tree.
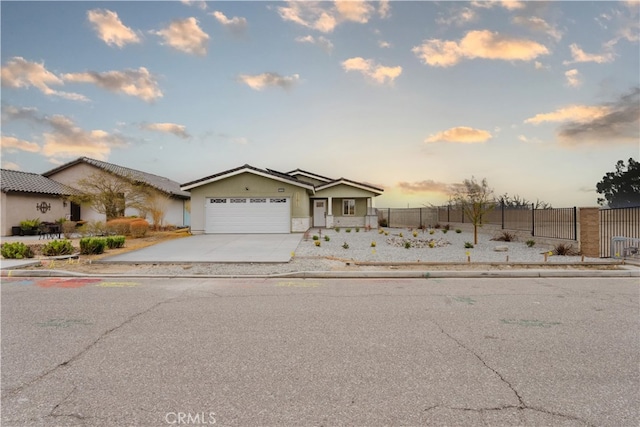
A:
(621, 188)
(475, 199)
(156, 204)
(109, 194)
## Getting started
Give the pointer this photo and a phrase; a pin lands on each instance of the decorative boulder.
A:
(501, 248)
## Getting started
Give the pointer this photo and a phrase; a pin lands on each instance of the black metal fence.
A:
(618, 222)
(557, 223)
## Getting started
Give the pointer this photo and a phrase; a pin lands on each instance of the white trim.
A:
(247, 170)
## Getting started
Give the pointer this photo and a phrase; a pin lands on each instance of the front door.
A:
(319, 213)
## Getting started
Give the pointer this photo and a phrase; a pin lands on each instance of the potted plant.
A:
(29, 227)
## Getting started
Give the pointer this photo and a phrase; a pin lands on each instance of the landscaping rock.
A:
(501, 248)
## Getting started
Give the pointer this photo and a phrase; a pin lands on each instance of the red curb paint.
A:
(65, 283)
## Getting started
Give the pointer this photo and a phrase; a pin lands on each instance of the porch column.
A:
(329, 222)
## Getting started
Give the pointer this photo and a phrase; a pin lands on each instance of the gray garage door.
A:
(248, 215)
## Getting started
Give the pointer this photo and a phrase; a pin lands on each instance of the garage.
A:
(247, 215)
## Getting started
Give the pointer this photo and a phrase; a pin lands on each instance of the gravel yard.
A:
(353, 251)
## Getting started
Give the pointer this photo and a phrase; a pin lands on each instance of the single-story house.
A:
(247, 199)
(176, 212)
(27, 196)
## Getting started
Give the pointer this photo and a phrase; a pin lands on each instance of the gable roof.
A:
(158, 182)
(267, 173)
(27, 182)
(289, 177)
(350, 183)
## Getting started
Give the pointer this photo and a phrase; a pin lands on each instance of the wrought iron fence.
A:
(618, 222)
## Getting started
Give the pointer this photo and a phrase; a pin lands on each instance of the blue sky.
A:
(539, 98)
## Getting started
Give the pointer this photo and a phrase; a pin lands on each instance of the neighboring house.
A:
(177, 212)
(28, 196)
(252, 200)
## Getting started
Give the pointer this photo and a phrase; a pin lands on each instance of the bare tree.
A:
(156, 204)
(109, 194)
(475, 199)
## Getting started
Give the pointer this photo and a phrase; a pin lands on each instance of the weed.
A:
(407, 244)
(468, 245)
(337, 229)
(565, 250)
(432, 231)
(357, 229)
(530, 243)
(345, 245)
(317, 243)
(348, 230)
(458, 231)
(505, 236)
(415, 234)
(444, 230)
(432, 244)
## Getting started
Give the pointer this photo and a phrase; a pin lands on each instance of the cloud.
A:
(323, 43)
(9, 113)
(172, 128)
(67, 140)
(260, 81)
(326, 16)
(110, 29)
(573, 78)
(356, 11)
(459, 17)
(235, 25)
(11, 166)
(200, 4)
(139, 83)
(186, 36)
(574, 113)
(507, 4)
(427, 186)
(579, 55)
(308, 14)
(20, 73)
(462, 134)
(13, 144)
(617, 121)
(538, 24)
(378, 73)
(478, 44)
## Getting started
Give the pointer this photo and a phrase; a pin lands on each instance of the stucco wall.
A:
(18, 207)
(249, 185)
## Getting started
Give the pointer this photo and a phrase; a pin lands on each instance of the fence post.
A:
(575, 223)
(389, 218)
(502, 209)
(448, 208)
(533, 219)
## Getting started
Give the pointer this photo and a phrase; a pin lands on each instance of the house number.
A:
(43, 207)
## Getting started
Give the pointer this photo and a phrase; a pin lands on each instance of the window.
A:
(348, 207)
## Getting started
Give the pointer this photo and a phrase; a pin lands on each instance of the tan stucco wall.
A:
(236, 186)
(343, 191)
(18, 207)
(174, 214)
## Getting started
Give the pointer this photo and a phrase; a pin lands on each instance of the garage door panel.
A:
(248, 215)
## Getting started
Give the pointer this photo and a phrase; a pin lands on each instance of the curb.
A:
(346, 274)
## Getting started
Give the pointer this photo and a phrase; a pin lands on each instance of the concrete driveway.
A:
(216, 248)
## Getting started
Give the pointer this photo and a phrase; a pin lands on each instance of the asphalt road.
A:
(268, 352)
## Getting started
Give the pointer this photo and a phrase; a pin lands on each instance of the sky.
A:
(540, 98)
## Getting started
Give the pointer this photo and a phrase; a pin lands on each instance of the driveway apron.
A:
(216, 248)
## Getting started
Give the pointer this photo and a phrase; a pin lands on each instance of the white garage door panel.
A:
(248, 215)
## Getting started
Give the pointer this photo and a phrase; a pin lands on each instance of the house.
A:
(176, 211)
(26, 196)
(247, 199)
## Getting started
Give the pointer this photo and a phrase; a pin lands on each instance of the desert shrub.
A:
(68, 228)
(357, 229)
(16, 250)
(447, 227)
(93, 228)
(458, 231)
(315, 237)
(530, 243)
(505, 236)
(444, 230)
(114, 242)
(437, 226)
(468, 245)
(139, 228)
(432, 231)
(348, 230)
(383, 222)
(337, 229)
(327, 238)
(317, 242)
(57, 247)
(345, 245)
(92, 245)
(415, 234)
(373, 244)
(120, 226)
(407, 244)
(565, 249)
(380, 231)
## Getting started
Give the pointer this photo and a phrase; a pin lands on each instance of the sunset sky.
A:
(539, 98)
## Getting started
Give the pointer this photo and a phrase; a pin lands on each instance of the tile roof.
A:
(26, 182)
(158, 182)
(252, 169)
